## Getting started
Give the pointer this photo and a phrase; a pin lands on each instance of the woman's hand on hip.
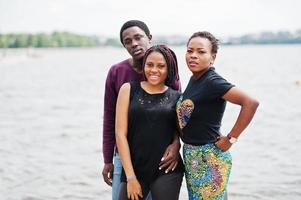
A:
(170, 157)
(223, 143)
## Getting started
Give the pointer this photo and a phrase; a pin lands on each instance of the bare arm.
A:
(247, 111)
(122, 107)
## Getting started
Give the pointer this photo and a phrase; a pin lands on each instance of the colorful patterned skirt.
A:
(207, 171)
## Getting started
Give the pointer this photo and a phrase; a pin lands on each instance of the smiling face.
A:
(136, 42)
(199, 55)
(155, 68)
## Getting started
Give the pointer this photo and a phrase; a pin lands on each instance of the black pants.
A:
(165, 187)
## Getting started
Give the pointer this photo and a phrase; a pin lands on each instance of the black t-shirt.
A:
(151, 128)
(201, 107)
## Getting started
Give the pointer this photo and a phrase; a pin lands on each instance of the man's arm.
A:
(108, 138)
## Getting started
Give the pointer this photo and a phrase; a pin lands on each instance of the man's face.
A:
(136, 42)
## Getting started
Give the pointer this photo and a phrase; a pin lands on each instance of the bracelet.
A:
(131, 178)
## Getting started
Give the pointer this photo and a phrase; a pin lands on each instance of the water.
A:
(51, 120)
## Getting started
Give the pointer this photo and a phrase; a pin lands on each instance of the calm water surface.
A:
(51, 120)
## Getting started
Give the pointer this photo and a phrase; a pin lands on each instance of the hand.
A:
(134, 190)
(223, 143)
(170, 157)
(107, 173)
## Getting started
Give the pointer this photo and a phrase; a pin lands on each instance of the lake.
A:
(51, 108)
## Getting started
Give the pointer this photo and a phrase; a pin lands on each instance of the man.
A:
(136, 38)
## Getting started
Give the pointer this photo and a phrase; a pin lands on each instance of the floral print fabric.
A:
(207, 171)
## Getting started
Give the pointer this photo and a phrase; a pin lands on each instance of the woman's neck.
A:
(198, 75)
(153, 89)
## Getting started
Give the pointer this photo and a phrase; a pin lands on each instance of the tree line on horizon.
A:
(55, 39)
(67, 39)
(280, 37)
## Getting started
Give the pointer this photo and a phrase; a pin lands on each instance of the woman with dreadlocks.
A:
(146, 125)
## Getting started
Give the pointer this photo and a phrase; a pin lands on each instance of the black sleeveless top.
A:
(151, 128)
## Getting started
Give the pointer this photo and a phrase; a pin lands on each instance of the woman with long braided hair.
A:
(146, 125)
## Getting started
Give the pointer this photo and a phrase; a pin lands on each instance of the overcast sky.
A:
(164, 17)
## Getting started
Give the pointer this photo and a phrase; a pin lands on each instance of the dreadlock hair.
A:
(171, 61)
(204, 34)
(132, 23)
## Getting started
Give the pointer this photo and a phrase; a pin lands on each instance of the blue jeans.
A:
(116, 178)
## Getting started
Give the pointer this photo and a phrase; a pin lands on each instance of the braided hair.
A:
(171, 61)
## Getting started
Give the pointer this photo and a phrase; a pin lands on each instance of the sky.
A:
(164, 17)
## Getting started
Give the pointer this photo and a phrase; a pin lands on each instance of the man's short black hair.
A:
(132, 23)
